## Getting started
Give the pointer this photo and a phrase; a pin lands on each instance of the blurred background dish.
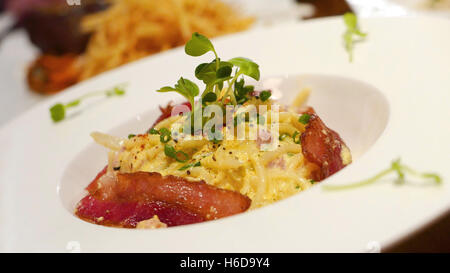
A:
(49, 45)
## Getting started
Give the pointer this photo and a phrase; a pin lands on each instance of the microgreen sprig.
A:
(215, 75)
(396, 167)
(185, 87)
(351, 21)
(59, 110)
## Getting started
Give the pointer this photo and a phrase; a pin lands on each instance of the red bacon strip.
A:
(139, 196)
(322, 146)
(198, 197)
(129, 214)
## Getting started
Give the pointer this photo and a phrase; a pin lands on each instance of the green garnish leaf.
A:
(351, 21)
(210, 97)
(224, 72)
(73, 103)
(206, 72)
(221, 79)
(198, 45)
(396, 167)
(116, 91)
(167, 89)
(304, 118)
(246, 67)
(58, 112)
(242, 91)
(188, 87)
(265, 95)
(131, 136)
(185, 87)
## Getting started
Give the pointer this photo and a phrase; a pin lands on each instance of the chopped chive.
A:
(181, 156)
(169, 151)
(283, 136)
(295, 138)
(165, 135)
(185, 167)
(153, 131)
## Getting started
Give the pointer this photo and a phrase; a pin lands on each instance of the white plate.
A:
(406, 59)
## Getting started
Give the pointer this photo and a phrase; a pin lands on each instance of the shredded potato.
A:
(132, 29)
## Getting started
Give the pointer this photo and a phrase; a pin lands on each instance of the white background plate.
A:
(407, 59)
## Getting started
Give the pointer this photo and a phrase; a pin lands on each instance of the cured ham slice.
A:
(205, 200)
(129, 214)
(323, 147)
(135, 197)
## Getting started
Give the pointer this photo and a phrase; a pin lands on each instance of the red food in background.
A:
(322, 146)
(49, 74)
